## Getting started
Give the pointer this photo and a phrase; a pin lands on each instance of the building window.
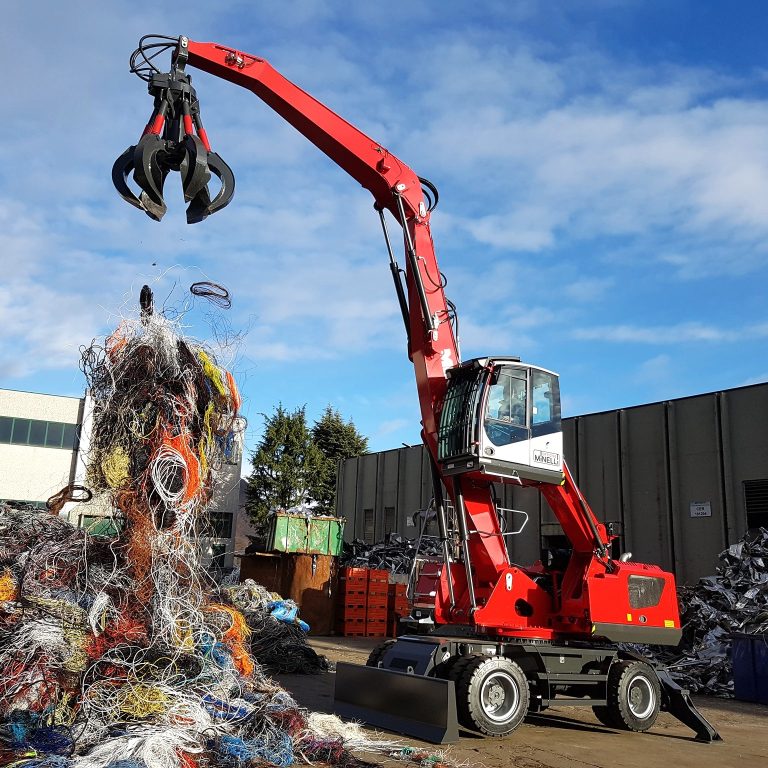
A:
(37, 430)
(220, 524)
(369, 530)
(756, 503)
(51, 434)
(70, 437)
(218, 554)
(390, 522)
(54, 436)
(23, 503)
(20, 432)
(101, 526)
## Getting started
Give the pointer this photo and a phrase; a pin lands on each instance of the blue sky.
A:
(603, 176)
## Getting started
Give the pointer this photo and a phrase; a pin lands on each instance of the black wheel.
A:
(456, 667)
(634, 697)
(603, 714)
(492, 695)
(377, 654)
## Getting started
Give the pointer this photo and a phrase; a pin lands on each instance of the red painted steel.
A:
(511, 600)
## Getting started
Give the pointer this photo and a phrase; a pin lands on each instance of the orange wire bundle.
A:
(235, 637)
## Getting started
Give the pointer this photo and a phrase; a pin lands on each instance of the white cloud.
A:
(588, 289)
(758, 379)
(680, 333)
(657, 370)
(567, 173)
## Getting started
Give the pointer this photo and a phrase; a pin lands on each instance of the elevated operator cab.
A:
(502, 417)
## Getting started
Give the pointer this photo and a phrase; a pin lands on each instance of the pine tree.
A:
(336, 440)
(286, 465)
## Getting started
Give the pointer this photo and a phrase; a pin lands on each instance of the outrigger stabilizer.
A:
(173, 140)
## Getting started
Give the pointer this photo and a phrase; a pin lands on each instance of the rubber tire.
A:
(618, 713)
(603, 714)
(377, 654)
(469, 692)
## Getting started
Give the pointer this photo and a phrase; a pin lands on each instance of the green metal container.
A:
(307, 535)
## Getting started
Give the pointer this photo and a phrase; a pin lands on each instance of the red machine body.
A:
(505, 638)
(593, 595)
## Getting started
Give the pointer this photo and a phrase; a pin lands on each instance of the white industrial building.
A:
(43, 446)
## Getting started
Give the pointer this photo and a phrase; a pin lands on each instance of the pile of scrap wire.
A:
(395, 555)
(113, 654)
(278, 638)
(734, 600)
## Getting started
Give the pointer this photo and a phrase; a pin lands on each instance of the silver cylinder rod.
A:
(464, 535)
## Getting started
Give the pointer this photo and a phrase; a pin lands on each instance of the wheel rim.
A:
(499, 697)
(641, 697)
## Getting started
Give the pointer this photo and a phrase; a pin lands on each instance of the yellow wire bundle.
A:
(7, 587)
(116, 467)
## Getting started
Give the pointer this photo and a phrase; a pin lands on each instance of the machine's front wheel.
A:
(634, 696)
(492, 695)
(377, 654)
(603, 714)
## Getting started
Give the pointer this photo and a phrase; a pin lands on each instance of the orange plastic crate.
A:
(352, 601)
(356, 627)
(350, 586)
(353, 592)
(354, 573)
(378, 575)
(353, 579)
(376, 601)
(376, 628)
(345, 612)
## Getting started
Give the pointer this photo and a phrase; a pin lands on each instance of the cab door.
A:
(546, 443)
(521, 431)
(506, 425)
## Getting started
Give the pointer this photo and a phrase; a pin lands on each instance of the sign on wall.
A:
(701, 509)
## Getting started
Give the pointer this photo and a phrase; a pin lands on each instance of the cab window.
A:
(545, 408)
(505, 410)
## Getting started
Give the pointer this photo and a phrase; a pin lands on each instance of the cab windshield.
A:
(506, 411)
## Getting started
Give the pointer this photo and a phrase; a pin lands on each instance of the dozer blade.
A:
(416, 706)
(202, 205)
(678, 702)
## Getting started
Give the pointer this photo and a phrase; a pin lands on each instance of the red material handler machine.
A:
(503, 639)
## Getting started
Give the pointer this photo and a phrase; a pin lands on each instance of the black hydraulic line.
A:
(431, 193)
(395, 269)
(464, 536)
(442, 524)
(599, 543)
(414, 264)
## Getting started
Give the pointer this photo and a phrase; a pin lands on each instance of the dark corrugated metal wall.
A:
(669, 476)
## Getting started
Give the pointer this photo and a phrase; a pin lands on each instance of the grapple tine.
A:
(149, 173)
(202, 206)
(194, 167)
(120, 172)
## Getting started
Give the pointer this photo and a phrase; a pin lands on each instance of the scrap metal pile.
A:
(734, 600)
(395, 555)
(113, 652)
